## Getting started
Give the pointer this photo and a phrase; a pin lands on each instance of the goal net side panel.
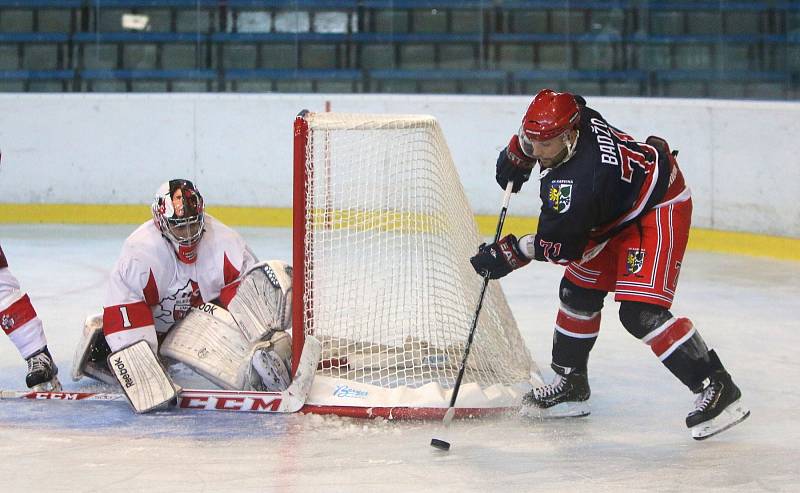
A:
(383, 234)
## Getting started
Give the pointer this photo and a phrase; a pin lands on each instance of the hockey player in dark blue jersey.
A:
(616, 213)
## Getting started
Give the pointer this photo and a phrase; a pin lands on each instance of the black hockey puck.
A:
(440, 444)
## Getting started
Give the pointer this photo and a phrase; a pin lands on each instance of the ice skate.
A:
(718, 406)
(42, 372)
(272, 373)
(566, 397)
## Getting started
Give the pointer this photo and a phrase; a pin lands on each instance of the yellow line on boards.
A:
(134, 214)
(776, 247)
(709, 240)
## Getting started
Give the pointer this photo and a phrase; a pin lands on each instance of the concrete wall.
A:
(738, 157)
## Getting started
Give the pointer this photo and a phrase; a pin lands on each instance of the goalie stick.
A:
(290, 400)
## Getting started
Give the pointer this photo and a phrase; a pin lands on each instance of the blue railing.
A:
(774, 50)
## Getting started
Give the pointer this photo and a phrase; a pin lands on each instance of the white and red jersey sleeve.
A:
(132, 290)
(18, 318)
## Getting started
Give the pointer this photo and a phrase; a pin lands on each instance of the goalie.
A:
(193, 291)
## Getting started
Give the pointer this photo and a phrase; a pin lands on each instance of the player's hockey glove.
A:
(513, 165)
(498, 259)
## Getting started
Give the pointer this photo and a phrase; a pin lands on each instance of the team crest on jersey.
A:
(176, 306)
(7, 323)
(560, 196)
(634, 260)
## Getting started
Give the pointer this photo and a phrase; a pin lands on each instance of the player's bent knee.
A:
(91, 352)
(580, 300)
(640, 319)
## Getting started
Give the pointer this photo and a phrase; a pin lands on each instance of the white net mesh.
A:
(388, 285)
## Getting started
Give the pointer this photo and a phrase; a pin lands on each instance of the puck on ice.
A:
(440, 444)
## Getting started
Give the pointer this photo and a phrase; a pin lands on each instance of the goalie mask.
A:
(178, 214)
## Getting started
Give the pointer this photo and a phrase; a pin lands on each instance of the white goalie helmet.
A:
(178, 214)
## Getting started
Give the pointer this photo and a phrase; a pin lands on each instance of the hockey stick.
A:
(451, 410)
(288, 401)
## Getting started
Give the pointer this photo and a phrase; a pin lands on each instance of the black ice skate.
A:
(718, 406)
(42, 372)
(566, 397)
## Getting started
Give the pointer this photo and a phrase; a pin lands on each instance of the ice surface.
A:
(634, 440)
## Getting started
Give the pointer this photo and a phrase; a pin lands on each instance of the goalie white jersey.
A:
(150, 288)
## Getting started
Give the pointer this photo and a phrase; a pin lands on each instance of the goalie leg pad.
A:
(263, 301)
(91, 353)
(209, 343)
(143, 379)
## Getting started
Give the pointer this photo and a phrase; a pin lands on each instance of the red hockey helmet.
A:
(550, 115)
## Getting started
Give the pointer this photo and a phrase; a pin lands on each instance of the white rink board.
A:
(738, 156)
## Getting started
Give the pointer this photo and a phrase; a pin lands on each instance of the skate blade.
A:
(50, 386)
(729, 417)
(563, 410)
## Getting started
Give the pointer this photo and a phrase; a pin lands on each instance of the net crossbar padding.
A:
(383, 234)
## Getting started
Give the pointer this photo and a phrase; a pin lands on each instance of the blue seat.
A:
(431, 16)
(280, 80)
(704, 83)
(39, 51)
(145, 80)
(695, 51)
(592, 82)
(452, 81)
(280, 50)
(138, 50)
(554, 51)
(417, 51)
(565, 16)
(105, 15)
(297, 16)
(39, 15)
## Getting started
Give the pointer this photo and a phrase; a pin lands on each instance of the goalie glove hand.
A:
(513, 165)
(498, 259)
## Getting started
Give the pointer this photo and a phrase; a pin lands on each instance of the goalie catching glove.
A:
(248, 347)
(513, 165)
(498, 259)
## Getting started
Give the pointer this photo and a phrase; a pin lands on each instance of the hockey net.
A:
(383, 234)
